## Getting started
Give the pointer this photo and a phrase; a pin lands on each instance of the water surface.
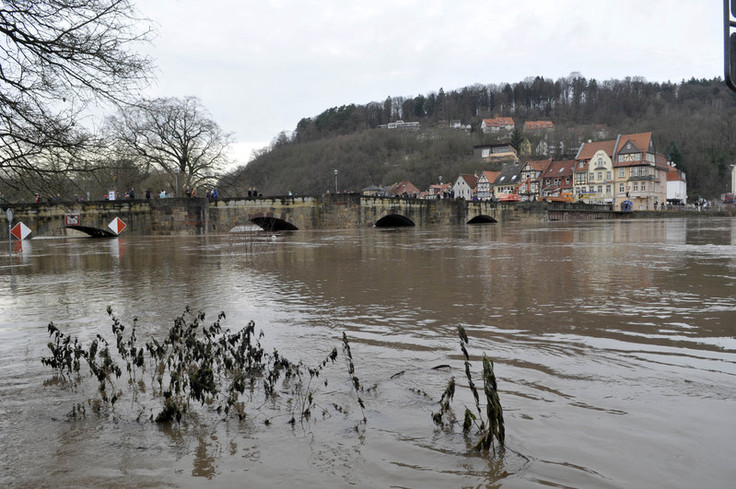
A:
(614, 346)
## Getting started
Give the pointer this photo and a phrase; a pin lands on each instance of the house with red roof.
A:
(593, 181)
(538, 125)
(626, 170)
(676, 185)
(465, 185)
(484, 187)
(497, 124)
(402, 189)
(557, 179)
(531, 173)
(640, 174)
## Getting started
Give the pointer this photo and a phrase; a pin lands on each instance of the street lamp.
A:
(176, 181)
(440, 194)
(335, 180)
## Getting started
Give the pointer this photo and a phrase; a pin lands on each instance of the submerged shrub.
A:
(211, 365)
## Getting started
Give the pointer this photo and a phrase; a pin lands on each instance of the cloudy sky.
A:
(259, 66)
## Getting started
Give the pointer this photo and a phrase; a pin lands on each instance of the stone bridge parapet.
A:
(191, 216)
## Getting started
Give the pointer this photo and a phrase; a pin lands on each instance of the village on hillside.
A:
(626, 173)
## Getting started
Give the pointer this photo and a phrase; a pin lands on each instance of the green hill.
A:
(693, 123)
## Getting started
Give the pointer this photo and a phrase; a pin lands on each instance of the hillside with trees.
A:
(692, 123)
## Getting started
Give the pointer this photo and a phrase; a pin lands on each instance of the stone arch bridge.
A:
(181, 216)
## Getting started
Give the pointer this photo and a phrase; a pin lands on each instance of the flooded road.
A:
(614, 346)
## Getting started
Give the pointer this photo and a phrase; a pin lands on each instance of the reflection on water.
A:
(614, 344)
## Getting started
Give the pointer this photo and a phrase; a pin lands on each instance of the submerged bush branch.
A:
(194, 364)
(491, 426)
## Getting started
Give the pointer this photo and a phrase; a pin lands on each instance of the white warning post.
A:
(117, 225)
(20, 231)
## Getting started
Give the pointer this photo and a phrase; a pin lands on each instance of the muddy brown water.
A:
(614, 346)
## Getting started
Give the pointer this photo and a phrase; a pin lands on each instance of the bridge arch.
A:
(482, 219)
(92, 231)
(394, 220)
(273, 224)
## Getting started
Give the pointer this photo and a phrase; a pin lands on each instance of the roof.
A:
(589, 149)
(499, 122)
(641, 141)
(470, 179)
(532, 125)
(539, 165)
(491, 176)
(399, 188)
(561, 168)
(675, 174)
(509, 175)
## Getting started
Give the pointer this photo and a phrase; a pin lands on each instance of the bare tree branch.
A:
(174, 135)
(57, 57)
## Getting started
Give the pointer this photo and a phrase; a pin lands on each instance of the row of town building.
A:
(626, 173)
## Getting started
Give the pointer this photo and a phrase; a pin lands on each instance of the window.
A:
(621, 188)
(644, 171)
(608, 190)
(600, 175)
(600, 189)
(635, 171)
(643, 187)
(636, 186)
(621, 173)
(591, 177)
(608, 175)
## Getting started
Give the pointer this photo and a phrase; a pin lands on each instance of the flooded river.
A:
(614, 346)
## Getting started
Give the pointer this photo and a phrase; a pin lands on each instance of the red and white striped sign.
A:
(20, 231)
(117, 225)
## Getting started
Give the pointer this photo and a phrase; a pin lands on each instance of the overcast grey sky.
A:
(259, 66)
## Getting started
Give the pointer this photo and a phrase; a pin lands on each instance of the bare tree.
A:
(56, 57)
(173, 135)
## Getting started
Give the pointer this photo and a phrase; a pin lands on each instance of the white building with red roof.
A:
(497, 124)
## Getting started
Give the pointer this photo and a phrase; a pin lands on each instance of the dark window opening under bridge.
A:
(394, 220)
(482, 220)
(273, 224)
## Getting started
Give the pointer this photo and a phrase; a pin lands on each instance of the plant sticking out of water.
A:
(351, 371)
(490, 426)
(194, 365)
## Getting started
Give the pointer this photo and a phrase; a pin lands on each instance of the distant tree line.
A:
(692, 123)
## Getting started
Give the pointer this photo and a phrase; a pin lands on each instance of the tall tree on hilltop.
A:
(56, 57)
(174, 135)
